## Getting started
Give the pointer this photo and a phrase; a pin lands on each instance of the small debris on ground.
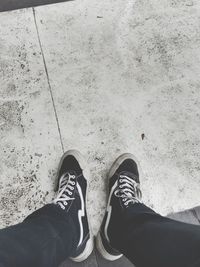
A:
(142, 136)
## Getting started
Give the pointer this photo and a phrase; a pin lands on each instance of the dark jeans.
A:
(48, 236)
(45, 239)
(150, 240)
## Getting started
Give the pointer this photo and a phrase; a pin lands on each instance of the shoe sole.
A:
(105, 254)
(90, 243)
(103, 251)
(86, 252)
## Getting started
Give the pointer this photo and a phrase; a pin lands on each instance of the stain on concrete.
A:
(26, 165)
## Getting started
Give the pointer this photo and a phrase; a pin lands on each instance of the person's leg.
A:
(149, 239)
(56, 231)
(45, 238)
(143, 236)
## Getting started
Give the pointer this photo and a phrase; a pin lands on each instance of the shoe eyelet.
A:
(116, 193)
(125, 203)
(70, 193)
(65, 203)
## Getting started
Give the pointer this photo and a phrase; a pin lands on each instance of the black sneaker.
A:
(72, 191)
(124, 190)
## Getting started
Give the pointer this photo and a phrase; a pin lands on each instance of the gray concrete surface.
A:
(98, 76)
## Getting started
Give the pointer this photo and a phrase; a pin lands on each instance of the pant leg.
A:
(150, 240)
(45, 239)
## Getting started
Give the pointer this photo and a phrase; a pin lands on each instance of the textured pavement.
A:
(104, 77)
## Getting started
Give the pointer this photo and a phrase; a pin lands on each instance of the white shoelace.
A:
(66, 188)
(128, 190)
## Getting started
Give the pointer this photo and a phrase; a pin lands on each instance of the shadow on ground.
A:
(6, 5)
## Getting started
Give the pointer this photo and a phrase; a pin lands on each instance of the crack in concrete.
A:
(47, 75)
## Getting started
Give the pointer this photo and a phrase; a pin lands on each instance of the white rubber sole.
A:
(86, 253)
(83, 164)
(112, 171)
(103, 252)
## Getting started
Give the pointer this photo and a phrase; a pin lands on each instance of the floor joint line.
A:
(47, 75)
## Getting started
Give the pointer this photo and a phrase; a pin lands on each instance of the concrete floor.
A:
(98, 76)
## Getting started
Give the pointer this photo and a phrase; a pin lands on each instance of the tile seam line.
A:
(48, 81)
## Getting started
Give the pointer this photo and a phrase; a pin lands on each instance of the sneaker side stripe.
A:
(81, 213)
(109, 210)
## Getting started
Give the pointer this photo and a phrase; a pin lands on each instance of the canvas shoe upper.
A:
(71, 198)
(124, 191)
